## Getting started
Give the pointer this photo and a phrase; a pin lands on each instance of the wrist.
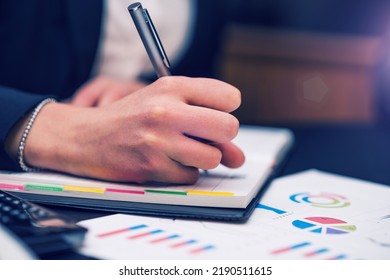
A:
(51, 138)
(25, 134)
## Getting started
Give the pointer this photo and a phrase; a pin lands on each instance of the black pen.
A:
(150, 39)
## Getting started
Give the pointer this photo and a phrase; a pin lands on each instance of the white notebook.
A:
(221, 187)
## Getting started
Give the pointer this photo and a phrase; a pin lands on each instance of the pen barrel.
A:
(150, 39)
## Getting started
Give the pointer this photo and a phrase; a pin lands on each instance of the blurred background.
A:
(304, 61)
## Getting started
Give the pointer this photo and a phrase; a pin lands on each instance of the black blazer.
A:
(48, 48)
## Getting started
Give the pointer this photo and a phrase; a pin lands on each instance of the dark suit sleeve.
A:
(14, 105)
(46, 48)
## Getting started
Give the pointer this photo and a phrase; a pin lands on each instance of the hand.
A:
(104, 90)
(142, 137)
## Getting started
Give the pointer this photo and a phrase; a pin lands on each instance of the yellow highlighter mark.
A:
(210, 193)
(83, 189)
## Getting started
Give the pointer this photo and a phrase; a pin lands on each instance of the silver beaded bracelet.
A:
(26, 131)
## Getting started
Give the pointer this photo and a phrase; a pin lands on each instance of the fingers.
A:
(211, 125)
(194, 153)
(103, 91)
(232, 156)
(88, 94)
(167, 110)
(187, 158)
(203, 92)
(176, 173)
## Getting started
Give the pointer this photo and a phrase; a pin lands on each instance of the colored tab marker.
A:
(166, 192)
(43, 188)
(124, 191)
(11, 187)
(194, 192)
(83, 189)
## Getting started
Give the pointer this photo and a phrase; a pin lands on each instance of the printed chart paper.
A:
(309, 215)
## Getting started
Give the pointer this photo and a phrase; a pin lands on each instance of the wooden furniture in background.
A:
(299, 77)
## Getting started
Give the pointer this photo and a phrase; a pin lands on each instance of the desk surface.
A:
(362, 152)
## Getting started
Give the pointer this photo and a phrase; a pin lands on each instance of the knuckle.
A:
(172, 84)
(149, 139)
(157, 114)
(166, 83)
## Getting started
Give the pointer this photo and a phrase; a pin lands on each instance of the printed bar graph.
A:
(338, 257)
(145, 234)
(157, 237)
(114, 232)
(308, 250)
(290, 248)
(316, 252)
(201, 249)
(165, 238)
(184, 243)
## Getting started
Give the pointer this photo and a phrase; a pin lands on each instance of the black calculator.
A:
(39, 229)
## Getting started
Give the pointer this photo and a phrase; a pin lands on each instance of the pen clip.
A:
(149, 22)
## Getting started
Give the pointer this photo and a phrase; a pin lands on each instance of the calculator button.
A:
(14, 212)
(5, 219)
(6, 208)
(23, 216)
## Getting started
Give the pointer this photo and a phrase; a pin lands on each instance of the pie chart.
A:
(324, 225)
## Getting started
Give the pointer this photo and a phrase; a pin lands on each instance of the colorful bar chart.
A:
(307, 250)
(316, 252)
(122, 230)
(290, 248)
(165, 238)
(157, 236)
